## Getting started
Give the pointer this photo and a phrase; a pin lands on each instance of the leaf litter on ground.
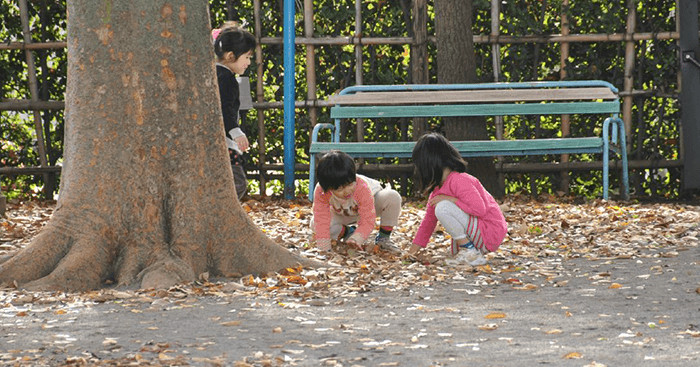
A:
(542, 234)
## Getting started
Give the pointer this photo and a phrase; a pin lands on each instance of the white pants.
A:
(459, 224)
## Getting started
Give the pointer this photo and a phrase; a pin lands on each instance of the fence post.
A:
(3, 203)
(690, 94)
(34, 91)
(496, 62)
(419, 56)
(310, 61)
(260, 98)
(628, 99)
(359, 78)
(565, 119)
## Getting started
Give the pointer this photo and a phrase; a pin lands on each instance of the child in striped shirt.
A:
(347, 204)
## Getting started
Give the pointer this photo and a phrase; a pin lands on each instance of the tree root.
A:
(38, 259)
(166, 273)
(74, 256)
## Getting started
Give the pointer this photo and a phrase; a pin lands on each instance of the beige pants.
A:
(387, 205)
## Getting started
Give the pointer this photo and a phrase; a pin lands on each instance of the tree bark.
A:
(147, 195)
(456, 64)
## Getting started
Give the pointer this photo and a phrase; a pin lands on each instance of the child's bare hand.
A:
(242, 142)
(413, 250)
(323, 245)
(372, 249)
(352, 243)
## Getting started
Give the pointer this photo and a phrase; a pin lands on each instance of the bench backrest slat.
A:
(473, 148)
(463, 146)
(500, 109)
(473, 96)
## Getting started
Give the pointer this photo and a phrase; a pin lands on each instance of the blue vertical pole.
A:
(289, 98)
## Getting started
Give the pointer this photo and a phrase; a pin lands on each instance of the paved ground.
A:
(590, 284)
(640, 311)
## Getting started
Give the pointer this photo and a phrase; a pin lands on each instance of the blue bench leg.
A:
(312, 175)
(606, 168)
(312, 156)
(625, 175)
(618, 136)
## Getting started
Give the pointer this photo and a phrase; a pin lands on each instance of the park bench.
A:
(484, 99)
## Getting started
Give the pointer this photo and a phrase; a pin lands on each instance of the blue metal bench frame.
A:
(613, 135)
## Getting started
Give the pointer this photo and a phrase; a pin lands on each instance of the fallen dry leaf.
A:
(526, 287)
(231, 323)
(495, 315)
(488, 327)
(693, 333)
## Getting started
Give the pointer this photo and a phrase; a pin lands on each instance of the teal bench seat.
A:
(485, 99)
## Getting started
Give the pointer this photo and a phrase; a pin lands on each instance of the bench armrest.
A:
(312, 156)
(318, 127)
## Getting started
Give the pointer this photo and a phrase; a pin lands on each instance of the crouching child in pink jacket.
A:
(458, 201)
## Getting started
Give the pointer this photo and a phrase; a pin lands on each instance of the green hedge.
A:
(655, 121)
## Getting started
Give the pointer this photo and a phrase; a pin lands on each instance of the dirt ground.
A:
(575, 284)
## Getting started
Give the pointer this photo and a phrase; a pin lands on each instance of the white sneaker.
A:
(469, 256)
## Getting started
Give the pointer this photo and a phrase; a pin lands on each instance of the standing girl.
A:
(233, 48)
(458, 200)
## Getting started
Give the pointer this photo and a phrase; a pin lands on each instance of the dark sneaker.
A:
(349, 230)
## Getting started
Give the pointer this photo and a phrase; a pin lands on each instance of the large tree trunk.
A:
(147, 195)
(456, 64)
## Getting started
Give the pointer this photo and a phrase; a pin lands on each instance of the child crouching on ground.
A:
(458, 200)
(347, 204)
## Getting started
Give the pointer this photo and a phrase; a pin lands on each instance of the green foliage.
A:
(655, 123)
(18, 137)
(16, 150)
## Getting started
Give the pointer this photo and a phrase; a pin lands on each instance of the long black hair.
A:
(431, 155)
(233, 39)
(335, 170)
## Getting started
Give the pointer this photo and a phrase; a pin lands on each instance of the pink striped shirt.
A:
(361, 203)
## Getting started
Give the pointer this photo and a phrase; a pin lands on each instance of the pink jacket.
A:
(361, 202)
(474, 200)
